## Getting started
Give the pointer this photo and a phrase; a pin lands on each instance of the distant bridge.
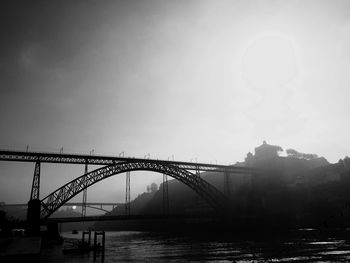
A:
(93, 205)
(130, 217)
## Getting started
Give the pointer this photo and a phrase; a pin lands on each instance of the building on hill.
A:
(267, 151)
(267, 157)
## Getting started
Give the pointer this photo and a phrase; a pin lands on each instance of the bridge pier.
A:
(34, 204)
(33, 217)
(88, 234)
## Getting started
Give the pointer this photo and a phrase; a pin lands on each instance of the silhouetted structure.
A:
(41, 210)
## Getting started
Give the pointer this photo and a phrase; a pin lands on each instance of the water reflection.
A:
(151, 247)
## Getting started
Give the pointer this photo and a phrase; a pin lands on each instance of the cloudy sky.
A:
(191, 79)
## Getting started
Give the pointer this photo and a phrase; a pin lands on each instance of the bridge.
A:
(188, 173)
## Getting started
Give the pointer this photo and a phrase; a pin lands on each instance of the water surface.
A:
(305, 245)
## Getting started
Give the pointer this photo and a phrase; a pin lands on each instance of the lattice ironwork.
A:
(208, 192)
(35, 192)
(110, 160)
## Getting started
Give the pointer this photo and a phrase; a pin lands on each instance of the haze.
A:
(204, 81)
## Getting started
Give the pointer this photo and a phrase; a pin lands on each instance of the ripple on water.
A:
(150, 247)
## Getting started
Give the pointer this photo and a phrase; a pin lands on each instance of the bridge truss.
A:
(62, 195)
(42, 157)
(186, 172)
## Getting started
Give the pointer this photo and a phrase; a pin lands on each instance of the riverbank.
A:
(20, 249)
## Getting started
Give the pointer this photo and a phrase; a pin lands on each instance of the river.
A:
(303, 245)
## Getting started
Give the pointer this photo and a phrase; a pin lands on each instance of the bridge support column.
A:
(34, 204)
(198, 172)
(83, 207)
(34, 194)
(87, 233)
(165, 195)
(227, 184)
(127, 194)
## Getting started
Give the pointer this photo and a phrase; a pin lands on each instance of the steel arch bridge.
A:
(208, 192)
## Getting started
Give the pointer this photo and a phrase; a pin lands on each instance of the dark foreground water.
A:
(305, 245)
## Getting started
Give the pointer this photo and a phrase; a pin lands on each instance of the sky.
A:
(189, 80)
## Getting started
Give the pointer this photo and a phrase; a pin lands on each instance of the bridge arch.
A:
(208, 192)
(94, 207)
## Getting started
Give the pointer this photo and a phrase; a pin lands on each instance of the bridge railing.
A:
(20, 156)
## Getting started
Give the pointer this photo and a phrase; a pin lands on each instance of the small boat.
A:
(74, 231)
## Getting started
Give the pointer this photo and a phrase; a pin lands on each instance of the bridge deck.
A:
(18, 156)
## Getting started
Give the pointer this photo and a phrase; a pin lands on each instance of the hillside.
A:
(302, 189)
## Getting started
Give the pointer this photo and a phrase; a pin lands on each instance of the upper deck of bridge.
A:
(69, 158)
